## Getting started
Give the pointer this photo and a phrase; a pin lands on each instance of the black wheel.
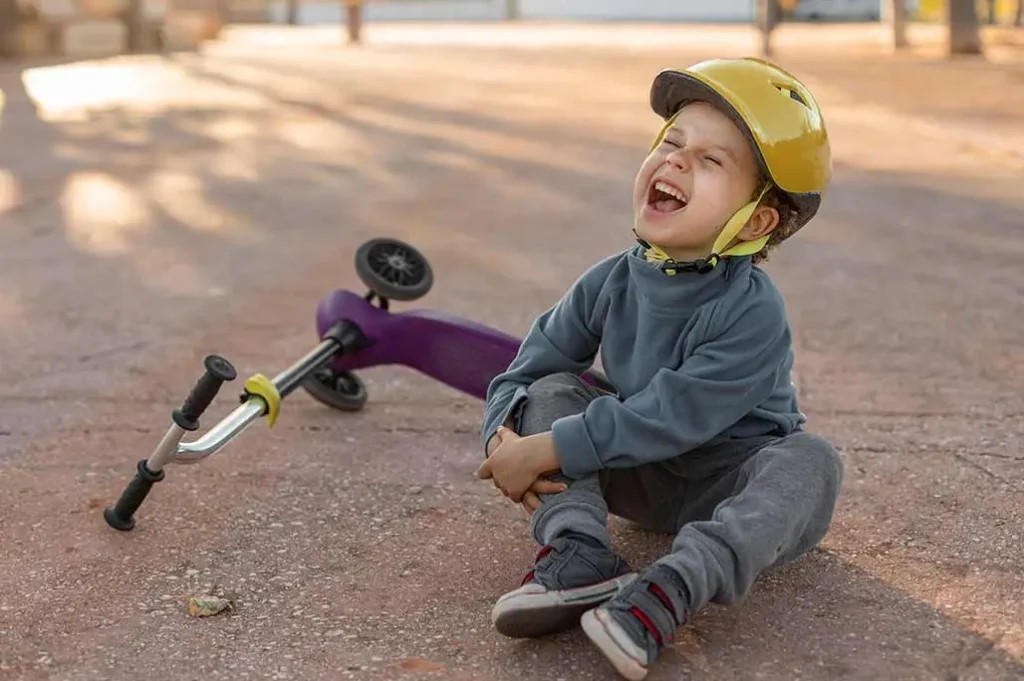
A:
(393, 269)
(339, 389)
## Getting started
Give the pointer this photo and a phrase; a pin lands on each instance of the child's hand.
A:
(531, 498)
(518, 462)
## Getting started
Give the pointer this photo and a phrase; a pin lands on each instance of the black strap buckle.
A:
(700, 266)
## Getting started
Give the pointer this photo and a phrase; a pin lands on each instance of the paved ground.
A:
(154, 211)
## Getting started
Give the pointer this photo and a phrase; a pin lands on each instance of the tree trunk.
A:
(991, 18)
(292, 18)
(767, 19)
(964, 32)
(134, 26)
(1018, 18)
(355, 20)
(9, 20)
(512, 10)
(896, 15)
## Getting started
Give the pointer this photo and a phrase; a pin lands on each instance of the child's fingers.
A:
(542, 486)
(484, 472)
(506, 434)
(531, 502)
(493, 443)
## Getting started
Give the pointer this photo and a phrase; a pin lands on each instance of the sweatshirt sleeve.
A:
(565, 338)
(724, 378)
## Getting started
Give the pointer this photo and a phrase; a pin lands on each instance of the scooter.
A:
(356, 332)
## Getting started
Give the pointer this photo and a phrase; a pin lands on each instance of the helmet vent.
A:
(792, 94)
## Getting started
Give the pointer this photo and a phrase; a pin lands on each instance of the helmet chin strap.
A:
(736, 223)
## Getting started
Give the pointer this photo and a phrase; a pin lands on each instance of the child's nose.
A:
(680, 158)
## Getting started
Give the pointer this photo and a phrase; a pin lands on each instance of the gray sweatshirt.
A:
(692, 356)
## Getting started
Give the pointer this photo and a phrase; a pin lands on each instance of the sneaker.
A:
(568, 578)
(632, 628)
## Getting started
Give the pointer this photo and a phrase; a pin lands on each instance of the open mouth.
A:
(664, 198)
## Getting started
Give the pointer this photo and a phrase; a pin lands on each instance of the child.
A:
(704, 439)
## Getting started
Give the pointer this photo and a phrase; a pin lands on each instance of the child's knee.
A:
(554, 385)
(820, 467)
(817, 460)
(550, 398)
(826, 461)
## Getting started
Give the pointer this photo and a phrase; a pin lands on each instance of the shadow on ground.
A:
(820, 617)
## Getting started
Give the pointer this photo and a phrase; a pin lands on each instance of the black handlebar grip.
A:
(218, 370)
(119, 516)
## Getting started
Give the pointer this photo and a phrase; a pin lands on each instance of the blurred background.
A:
(73, 27)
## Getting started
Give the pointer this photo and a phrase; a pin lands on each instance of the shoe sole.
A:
(530, 615)
(597, 627)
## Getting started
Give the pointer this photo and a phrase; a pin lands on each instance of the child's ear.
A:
(761, 223)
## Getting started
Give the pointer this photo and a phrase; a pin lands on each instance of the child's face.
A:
(706, 160)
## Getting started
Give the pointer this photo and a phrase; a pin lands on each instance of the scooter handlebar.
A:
(218, 370)
(120, 515)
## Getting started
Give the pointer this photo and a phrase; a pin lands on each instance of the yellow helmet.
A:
(776, 112)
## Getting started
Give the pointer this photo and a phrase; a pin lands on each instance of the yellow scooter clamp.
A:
(260, 386)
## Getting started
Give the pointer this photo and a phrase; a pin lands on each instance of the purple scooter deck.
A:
(455, 351)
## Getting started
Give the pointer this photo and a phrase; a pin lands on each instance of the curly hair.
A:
(779, 200)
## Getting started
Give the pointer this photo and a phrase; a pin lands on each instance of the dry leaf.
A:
(206, 606)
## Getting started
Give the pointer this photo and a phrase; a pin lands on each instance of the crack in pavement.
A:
(961, 454)
(970, 658)
(116, 400)
(995, 476)
(368, 428)
(912, 413)
(994, 455)
(109, 352)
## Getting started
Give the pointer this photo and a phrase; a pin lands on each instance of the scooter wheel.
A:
(393, 269)
(341, 390)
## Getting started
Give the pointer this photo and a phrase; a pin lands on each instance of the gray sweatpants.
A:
(736, 506)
